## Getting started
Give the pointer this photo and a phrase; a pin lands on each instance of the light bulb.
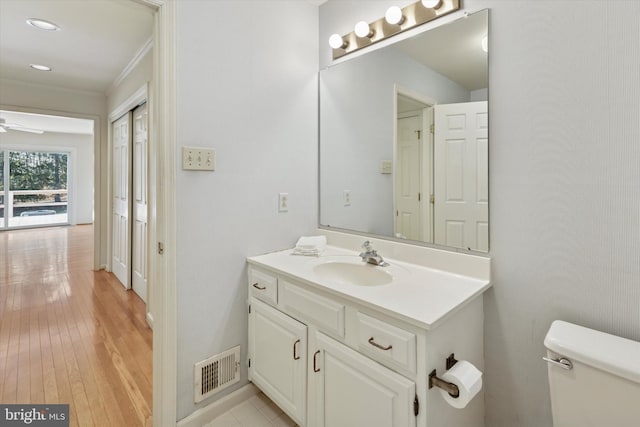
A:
(394, 16)
(431, 4)
(336, 41)
(362, 29)
(485, 44)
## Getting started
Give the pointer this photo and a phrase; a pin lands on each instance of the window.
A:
(37, 188)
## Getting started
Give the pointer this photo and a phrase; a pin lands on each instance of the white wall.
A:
(80, 169)
(247, 87)
(356, 122)
(564, 182)
(137, 77)
(43, 99)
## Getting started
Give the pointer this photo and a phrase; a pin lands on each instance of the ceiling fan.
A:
(4, 126)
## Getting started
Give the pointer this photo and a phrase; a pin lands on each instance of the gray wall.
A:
(564, 182)
(247, 88)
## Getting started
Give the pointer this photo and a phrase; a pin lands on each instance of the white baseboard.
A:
(207, 414)
(150, 320)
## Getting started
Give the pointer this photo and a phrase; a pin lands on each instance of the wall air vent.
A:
(216, 373)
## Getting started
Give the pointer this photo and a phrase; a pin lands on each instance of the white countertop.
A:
(418, 295)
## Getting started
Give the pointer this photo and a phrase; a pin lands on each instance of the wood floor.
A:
(69, 334)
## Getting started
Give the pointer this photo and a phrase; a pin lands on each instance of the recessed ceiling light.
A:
(41, 24)
(40, 67)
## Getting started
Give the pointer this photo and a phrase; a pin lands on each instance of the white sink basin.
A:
(362, 274)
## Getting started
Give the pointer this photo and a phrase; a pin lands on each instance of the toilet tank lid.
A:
(610, 353)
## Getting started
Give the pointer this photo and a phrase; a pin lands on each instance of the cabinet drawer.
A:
(263, 285)
(324, 313)
(386, 343)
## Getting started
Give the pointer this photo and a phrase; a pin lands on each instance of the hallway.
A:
(69, 334)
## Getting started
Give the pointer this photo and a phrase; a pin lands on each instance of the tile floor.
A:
(258, 411)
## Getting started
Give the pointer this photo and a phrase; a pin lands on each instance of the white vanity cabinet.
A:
(331, 360)
(350, 389)
(278, 355)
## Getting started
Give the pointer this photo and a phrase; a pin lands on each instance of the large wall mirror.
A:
(404, 139)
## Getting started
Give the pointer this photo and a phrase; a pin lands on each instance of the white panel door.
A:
(461, 205)
(121, 170)
(278, 355)
(408, 178)
(139, 237)
(352, 390)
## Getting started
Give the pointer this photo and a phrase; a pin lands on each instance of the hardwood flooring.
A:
(69, 334)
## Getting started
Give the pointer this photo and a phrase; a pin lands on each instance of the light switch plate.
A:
(198, 159)
(283, 202)
(386, 166)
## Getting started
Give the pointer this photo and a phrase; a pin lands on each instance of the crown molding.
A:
(144, 49)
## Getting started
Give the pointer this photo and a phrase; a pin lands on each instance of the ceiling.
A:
(97, 40)
(47, 123)
(454, 50)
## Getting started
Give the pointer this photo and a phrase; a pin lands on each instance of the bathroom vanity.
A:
(338, 342)
(334, 341)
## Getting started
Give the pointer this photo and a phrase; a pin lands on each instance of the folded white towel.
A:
(310, 245)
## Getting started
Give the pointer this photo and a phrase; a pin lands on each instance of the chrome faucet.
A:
(371, 256)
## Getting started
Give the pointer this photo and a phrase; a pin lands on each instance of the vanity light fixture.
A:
(40, 67)
(394, 16)
(336, 42)
(395, 21)
(431, 4)
(41, 24)
(362, 30)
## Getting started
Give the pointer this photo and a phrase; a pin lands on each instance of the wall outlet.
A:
(198, 159)
(346, 197)
(283, 202)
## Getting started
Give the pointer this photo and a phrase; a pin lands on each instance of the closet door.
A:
(121, 228)
(139, 239)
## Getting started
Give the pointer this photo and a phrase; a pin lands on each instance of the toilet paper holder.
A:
(450, 388)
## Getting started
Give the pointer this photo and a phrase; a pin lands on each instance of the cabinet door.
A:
(352, 390)
(278, 358)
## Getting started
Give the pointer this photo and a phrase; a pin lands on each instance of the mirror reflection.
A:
(404, 138)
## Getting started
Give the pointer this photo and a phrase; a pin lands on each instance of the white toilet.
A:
(594, 377)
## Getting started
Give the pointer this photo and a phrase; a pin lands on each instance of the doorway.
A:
(162, 197)
(413, 174)
(46, 170)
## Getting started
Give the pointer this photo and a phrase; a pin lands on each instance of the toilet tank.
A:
(603, 386)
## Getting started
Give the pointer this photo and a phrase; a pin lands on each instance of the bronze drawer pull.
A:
(258, 287)
(295, 350)
(315, 366)
(375, 344)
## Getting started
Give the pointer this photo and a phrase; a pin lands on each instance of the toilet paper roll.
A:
(468, 379)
